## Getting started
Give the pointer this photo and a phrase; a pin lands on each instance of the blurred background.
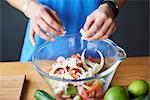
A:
(132, 30)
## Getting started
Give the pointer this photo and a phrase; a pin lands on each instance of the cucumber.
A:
(71, 90)
(42, 95)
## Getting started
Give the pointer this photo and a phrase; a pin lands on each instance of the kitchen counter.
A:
(131, 69)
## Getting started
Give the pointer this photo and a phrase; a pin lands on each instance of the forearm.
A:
(18, 4)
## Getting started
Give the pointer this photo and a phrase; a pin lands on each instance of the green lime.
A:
(116, 93)
(138, 88)
(142, 97)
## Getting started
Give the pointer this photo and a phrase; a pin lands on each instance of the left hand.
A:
(101, 22)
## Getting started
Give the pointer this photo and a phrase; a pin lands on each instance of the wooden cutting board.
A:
(11, 87)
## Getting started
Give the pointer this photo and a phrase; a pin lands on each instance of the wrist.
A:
(30, 7)
(106, 9)
(113, 6)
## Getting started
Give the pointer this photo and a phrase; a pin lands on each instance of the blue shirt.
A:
(72, 14)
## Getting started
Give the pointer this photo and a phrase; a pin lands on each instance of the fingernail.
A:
(34, 43)
(62, 33)
(62, 29)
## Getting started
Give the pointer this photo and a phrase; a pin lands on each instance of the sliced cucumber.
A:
(71, 90)
(42, 95)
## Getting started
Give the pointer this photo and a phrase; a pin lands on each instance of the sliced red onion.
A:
(79, 89)
(90, 72)
(60, 59)
(83, 60)
(88, 62)
(64, 96)
(99, 92)
(81, 69)
(98, 67)
(55, 68)
(62, 71)
(85, 86)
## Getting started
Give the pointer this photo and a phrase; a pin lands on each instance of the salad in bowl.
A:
(82, 70)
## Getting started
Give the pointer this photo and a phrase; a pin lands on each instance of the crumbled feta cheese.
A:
(82, 31)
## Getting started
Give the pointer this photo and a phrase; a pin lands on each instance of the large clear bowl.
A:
(45, 55)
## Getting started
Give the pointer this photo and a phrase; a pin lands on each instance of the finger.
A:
(93, 29)
(31, 36)
(55, 16)
(110, 31)
(95, 37)
(89, 21)
(51, 21)
(102, 31)
(43, 25)
(51, 37)
(41, 34)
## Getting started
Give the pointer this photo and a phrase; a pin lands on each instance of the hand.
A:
(43, 18)
(100, 22)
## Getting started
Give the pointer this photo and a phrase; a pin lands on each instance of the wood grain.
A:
(130, 69)
(11, 87)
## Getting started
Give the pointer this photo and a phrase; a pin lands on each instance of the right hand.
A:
(43, 18)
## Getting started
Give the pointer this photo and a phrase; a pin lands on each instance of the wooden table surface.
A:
(131, 69)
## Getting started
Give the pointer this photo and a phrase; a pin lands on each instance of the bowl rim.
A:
(102, 74)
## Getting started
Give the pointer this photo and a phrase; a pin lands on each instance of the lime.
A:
(138, 88)
(116, 93)
(142, 97)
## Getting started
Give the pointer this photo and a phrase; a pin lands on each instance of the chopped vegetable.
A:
(60, 59)
(99, 90)
(83, 60)
(84, 94)
(85, 86)
(79, 64)
(77, 67)
(92, 94)
(50, 69)
(77, 97)
(94, 87)
(71, 90)
(76, 56)
(100, 66)
(91, 59)
(73, 74)
(64, 96)
(42, 95)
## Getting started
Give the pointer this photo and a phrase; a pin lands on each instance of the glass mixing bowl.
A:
(46, 55)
